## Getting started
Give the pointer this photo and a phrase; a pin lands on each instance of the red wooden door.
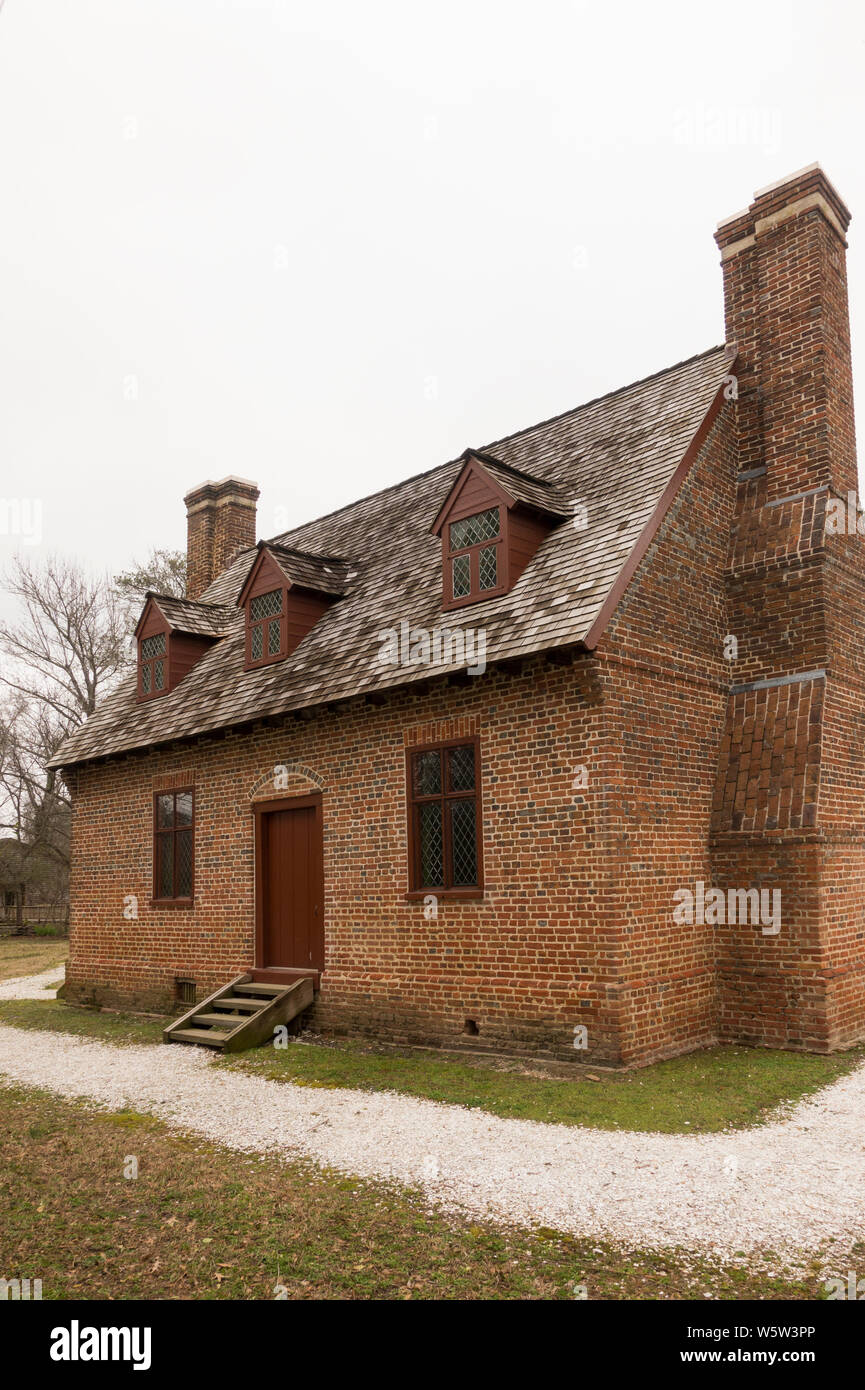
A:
(290, 888)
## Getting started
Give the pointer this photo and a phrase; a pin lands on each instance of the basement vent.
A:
(184, 991)
(470, 1028)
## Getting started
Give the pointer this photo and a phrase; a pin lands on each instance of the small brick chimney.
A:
(220, 521)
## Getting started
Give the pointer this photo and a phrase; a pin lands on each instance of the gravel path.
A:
(33, 986)
(795, 1185)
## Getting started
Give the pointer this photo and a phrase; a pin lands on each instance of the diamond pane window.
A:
(174, 846)
(444, 819)
(473, 551)
(153, 646)
(484, 526)
(462, 582)
(464, 849)
(183, 864)
(265, 620)
(266, 605)
(152, 667)
(165, 873)
(487, 567)
(461, 768)
(428, 774)
(431, 844)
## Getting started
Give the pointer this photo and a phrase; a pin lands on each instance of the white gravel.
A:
(793, 1186)
(40, 986)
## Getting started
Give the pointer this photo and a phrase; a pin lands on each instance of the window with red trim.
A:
(475, 555)
(445, 819)
(266, 627)
(153, 665)
(174, 846)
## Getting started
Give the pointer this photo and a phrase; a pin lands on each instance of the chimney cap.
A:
(842, 211)
(222, 485)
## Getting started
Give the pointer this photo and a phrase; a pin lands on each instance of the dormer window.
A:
(153, 655)
(173, 635)
(266, 624)
(284, 595)
(474, 554)
(493, 520)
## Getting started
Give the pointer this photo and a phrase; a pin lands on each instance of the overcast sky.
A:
(328, 246)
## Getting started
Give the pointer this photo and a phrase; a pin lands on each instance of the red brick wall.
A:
(665, 692)
(528, 963)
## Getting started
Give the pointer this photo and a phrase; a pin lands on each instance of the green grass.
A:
(200, 1222)
(57, 1017)
(708, 1091)
(720, 1088)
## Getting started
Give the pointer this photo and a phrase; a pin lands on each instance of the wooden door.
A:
(289, 884)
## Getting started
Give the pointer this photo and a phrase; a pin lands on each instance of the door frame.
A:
(259, 811)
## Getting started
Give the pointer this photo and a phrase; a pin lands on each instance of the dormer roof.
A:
(324, 574)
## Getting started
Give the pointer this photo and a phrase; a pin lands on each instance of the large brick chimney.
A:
(220, 521)
(789, 808)
(785, 299)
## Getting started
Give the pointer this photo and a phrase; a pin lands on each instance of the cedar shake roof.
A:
(617, 456)
(534, 491)
(324, 573)
(192, 616)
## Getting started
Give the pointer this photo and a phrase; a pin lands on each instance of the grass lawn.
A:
(57, 1017)
(720, 1088)
(29, 955)
(199, 1222)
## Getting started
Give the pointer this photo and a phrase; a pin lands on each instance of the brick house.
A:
(459, 753)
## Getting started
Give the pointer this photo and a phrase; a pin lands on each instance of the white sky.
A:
(328, 246)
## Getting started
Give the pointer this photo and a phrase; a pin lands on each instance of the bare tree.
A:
(70, 644)
(163, 572)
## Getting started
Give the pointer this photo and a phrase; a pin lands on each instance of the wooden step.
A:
(281, 975)
(259, 1028)
(259, 1009)
(198, 1035)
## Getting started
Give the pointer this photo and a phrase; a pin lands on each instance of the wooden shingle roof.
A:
(193, 616)
(538, 493)
(612, 462)
(326, 574)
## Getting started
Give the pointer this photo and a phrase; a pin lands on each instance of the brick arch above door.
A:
(286, 777)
